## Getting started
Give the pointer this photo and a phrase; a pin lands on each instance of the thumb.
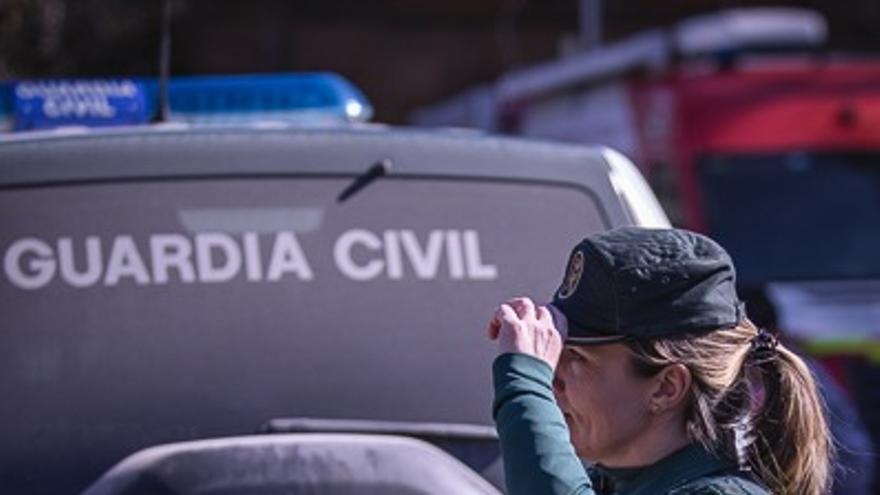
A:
(493, 328)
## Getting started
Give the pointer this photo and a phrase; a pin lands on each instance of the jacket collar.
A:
(680, 467)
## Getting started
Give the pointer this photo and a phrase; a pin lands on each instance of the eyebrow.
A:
(581, 350)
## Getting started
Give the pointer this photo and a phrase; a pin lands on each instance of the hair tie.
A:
(764, 345)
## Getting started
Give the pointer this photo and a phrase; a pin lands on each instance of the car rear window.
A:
(208, 306)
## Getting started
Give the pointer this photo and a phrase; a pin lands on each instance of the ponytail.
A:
(752, 400)
(791, 449)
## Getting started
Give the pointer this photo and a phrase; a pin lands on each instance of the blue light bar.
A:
(309, 98)
(304, 97)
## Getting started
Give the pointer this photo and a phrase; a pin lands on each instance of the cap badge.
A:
(572, 275)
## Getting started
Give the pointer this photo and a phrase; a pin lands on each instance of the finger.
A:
(509, 322)
(524, 307)
(559, 320)
(543, 314)
(506, 314)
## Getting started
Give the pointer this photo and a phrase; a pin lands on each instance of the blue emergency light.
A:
(316, 97)
(309, 98)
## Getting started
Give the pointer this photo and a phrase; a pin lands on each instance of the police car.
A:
(267, 293)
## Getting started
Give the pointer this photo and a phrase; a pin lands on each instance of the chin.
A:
(580, 448)
(584, 453)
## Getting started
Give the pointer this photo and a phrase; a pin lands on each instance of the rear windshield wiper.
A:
(379, 169)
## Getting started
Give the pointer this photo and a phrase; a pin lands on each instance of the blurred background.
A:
(757, 123)
(402, 54)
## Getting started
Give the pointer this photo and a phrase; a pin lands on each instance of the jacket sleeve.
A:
(538, 456)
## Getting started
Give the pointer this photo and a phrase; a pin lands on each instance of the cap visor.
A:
(582, 336)
(595, 340)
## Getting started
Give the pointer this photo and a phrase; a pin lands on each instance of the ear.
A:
(671, 386)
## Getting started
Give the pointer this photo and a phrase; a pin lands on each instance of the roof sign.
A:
(70, 102)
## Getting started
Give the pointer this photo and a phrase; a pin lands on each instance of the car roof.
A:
(148, 153)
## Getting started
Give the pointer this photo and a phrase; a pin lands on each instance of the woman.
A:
(658, 378)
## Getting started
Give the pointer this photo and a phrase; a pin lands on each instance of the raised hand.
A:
(520, 326)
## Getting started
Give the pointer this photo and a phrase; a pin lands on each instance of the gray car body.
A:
(92, 374)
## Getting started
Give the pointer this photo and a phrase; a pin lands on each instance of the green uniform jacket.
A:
(539, 458)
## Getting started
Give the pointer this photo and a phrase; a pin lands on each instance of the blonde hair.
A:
(758, 405)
